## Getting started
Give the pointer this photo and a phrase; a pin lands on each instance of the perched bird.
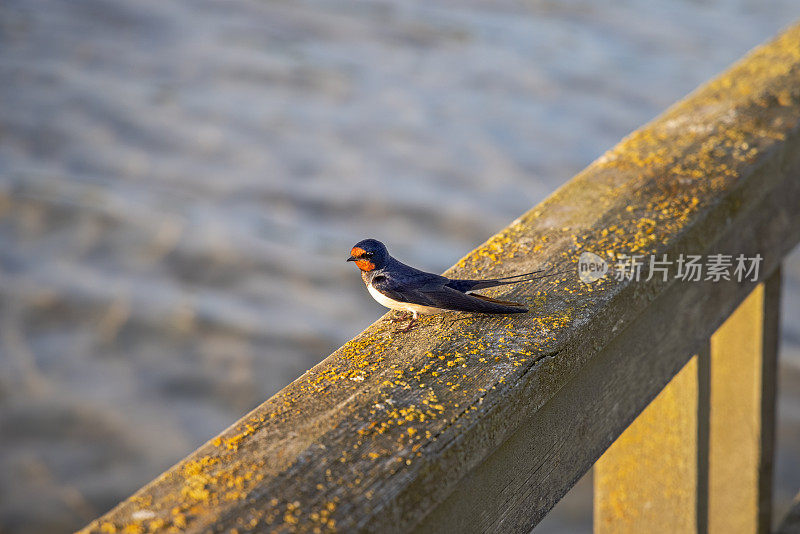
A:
(400, 287)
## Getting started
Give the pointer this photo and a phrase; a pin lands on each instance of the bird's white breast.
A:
(383, 300)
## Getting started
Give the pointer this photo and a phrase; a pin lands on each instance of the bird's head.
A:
(369, 254)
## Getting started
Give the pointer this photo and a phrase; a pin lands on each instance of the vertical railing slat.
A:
(645, 482)
(742, 414)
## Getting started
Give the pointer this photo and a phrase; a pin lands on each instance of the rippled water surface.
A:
(180, 183)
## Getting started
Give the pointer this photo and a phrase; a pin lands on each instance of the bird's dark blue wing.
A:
(427, 289)
(414, 289)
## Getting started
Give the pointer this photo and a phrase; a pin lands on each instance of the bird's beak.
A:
(352, 258)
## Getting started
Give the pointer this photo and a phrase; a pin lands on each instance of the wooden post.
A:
(647, 480)
(699, 457)
(743, 360)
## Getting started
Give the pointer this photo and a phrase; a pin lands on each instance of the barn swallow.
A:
(401, 287)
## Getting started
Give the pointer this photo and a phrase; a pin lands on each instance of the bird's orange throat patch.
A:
(364, 265)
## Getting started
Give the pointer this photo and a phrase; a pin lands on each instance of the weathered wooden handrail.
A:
(472, 423)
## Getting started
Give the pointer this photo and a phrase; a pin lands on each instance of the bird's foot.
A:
(411, 322)
(399, 317)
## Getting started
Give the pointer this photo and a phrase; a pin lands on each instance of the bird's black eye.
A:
(368, 254)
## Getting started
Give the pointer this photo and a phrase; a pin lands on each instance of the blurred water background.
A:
(180, 183)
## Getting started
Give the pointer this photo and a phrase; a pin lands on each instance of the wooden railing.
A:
(473, 423)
